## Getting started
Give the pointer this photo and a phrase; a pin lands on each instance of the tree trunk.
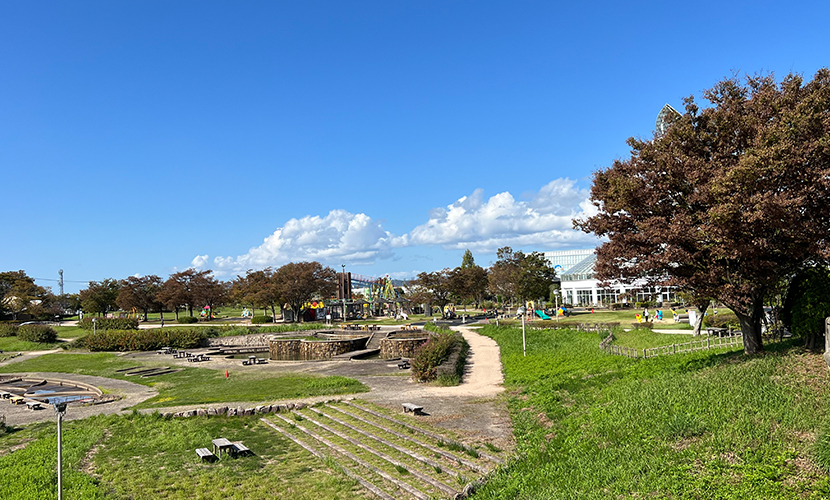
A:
(701, 307)
(751, 326)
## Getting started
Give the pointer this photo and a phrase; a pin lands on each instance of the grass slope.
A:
(193, 385)
(146, 456)
(709, 425)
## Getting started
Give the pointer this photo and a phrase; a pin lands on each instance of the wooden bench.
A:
(205, 454)
(415, 409)
(240, 449)
(403, 365)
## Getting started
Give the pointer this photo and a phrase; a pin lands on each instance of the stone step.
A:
(444, 453)
(383, 456)
(377, 491)
(348, 356)
(403, 486)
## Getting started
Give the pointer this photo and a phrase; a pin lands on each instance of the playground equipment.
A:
(133, 313)
(542, 314)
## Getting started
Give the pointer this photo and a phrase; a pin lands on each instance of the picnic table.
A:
(17, 400)
(720, 332)
(220, 444)
(33, 405)
(403, 365)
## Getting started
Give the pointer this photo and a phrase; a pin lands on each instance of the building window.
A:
(584, 297)
(607, 296)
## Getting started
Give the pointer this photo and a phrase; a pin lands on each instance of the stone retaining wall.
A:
(237, 412)
(307, 350)
(257, 339)
(401, 345)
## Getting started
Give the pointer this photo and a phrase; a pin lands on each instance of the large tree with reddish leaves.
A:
(731, 199)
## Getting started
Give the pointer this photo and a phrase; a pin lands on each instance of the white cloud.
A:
(339, 237)
(544, 220)
(199, 261)
(485, 225)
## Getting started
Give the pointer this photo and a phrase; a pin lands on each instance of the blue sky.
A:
(147, 137)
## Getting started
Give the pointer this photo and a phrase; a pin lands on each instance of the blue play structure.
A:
(542, 314)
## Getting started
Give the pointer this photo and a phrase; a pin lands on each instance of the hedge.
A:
(429, 356)
(109, 324)
(37, 333)
(184, 320)
(8, 330)
(726, 319)
(258, 320)
(144, 340)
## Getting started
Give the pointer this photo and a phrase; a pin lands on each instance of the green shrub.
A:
(451, 370)
(108, 323)
(144, 340)
(619, 305)
(184, 320)
(8, 330)
(807, 304)
(725, 319)
(429, 356)
(37, 333)
(258, 320)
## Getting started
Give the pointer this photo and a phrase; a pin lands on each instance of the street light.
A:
(60, 411)
(343, 290)
(93, 325)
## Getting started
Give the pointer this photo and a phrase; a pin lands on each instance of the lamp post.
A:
(60, 411)
(343, 290)
(93, 325)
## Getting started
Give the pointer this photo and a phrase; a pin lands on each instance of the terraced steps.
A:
(379, 451)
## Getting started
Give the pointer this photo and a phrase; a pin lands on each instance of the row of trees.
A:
(514, 275)
(293, 284)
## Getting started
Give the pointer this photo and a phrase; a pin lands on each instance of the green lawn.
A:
(145, 456)
(624, 317)
(193, 385)
(15, 344)
(714, 424)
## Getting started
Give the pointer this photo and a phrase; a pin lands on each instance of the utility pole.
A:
(60, 281)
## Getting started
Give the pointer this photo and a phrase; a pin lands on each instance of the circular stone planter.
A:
(402, 344)
(330, 344)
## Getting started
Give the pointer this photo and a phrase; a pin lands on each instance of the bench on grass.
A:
(415, 409)
(205, 454)
(240, 449)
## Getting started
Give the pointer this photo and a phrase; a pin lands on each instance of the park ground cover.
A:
(713, 424)
(192, 385)
(147, 456)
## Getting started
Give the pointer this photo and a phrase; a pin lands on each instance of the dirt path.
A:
(483, 377)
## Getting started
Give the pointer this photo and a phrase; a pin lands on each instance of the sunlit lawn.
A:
(193, 385)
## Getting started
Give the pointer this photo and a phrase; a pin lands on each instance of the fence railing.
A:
(607, 345)
(695, 345)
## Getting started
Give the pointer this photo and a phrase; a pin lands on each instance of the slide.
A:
(542, 314)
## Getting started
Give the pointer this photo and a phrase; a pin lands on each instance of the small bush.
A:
(37, 333)
(431, 354)
(8, 330)
(619, 305)
(108, 323)
(185, 320)
(258, 320)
